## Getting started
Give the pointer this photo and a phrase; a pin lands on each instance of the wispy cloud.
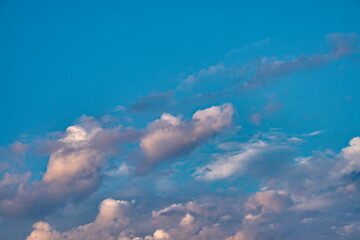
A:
(153, 101)
(261, 72)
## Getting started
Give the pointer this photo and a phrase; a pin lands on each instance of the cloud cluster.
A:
(110, 220)
(314, 197)
(73, 170)
(189, 221)
(308, 197)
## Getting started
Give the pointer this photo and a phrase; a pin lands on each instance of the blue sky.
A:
(169, 115)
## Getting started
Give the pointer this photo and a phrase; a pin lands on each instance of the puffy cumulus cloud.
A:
(237, 236)
(160, 234)
(187, 220)
(43, 231)
(74, 166)
(270, 215)
(116, 221)
(352, 156)
(73, 170)
(108, 225)
(170, 136)
(269, 201)
(213, 218)
(264, 217)
(182, 214)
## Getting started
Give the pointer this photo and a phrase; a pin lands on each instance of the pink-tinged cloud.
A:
(170, 136)
(73, 170)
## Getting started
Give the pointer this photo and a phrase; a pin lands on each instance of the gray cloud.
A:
(153, 101)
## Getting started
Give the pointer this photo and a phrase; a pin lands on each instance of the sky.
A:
(188, 120)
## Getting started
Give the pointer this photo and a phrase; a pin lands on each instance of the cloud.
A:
(318, 199)
(73, 170)
(342, 45)
(269, 70)
(350, 231)
(114, 222)
(160, 234)
(19, 148)
(262, 71)
(237, 236)
(192, 221)
(13, 155)
(108, 224)
(312, 197)
(271, 106)
(43, 231)
(153, 101)
(352, 156)
(206, 72)
(170, 136)
(269, 201)
(257, 157)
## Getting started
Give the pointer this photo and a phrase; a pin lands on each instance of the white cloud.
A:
(108, 225)
(352, 156)
(254, 157)
(226, 166)
(161, 234)
(187, 220)
(43, 231)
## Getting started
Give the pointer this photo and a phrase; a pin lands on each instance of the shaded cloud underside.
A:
(74, 169)
(291, 205)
